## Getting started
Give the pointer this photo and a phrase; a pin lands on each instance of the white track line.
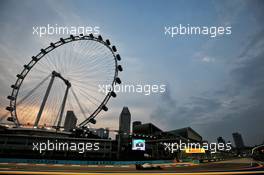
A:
(58, 165)
(76, 165)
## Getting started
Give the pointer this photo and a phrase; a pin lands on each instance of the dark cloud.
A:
(175, 115)
(256, 42)
(258, 7)
(250, 73)
(238, 107)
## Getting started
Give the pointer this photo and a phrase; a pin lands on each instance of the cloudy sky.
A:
(214, 85)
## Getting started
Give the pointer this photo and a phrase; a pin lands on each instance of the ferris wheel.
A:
(65, 76)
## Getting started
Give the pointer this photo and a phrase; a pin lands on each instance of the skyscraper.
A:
(238, 140)
(70, 121)
(124, 121)
(221, 140)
